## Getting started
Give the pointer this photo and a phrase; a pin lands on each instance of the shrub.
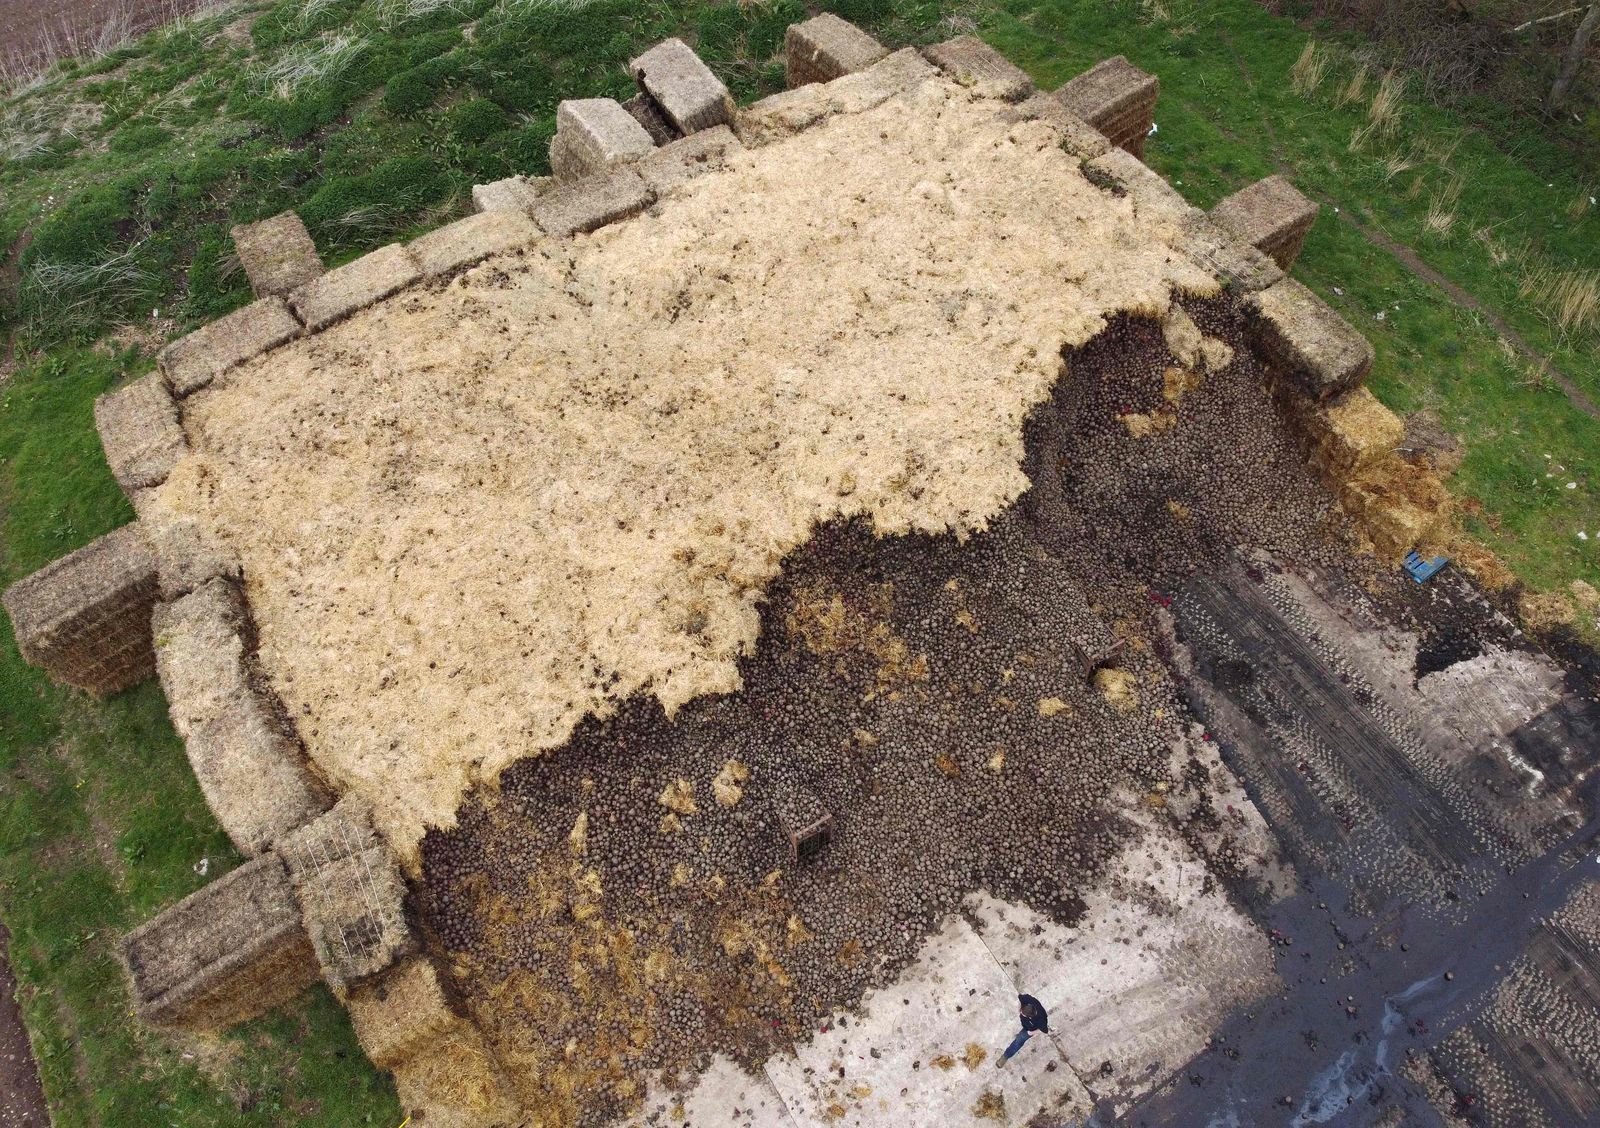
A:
(476, 121)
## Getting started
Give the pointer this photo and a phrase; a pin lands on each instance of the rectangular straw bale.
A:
(1271, 215)
(457, 1084)
(978, 66)
(1116, 98)
(200, 654)
(680, 83)
(85, 618)
(1311, 345)
(1152, 195)
(1352, 432)
(1239, 265)
(1078, 138)
(465, 242)
(593, 134)
(188, 553)
(226, 953)
(277, 254)
(355, 285)
(592, 202)
(140, 432)
(514, 193)
(254, 775)
(192, 362)
(352, 895)
(403, 1012)
(825, 47)
(687, 158)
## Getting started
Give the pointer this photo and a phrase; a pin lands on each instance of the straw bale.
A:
(1352, 432)
(594, 133)
(688, 157)
(200, 654)
(1312, 345)
(682, 86)
(790, 111)
(432, 498)
(979, 67)
(1271, 215)
(1153, 198)
(1399, 507)
(469, 241)
(403, 1013)
(139, 429)
(456, 1084)
(85, 618)
(355, 285)
(351, 893)
(188, 553)
(278, 254)
(1544, 610)
(192, 362)
(253, 774)
(514, 193)
(1077, 137)
(226, 953)
(1232, 261)
(592, 202)
(825, 47)
(1117, 98)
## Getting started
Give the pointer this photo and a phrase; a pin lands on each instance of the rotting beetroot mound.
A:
(928, 691)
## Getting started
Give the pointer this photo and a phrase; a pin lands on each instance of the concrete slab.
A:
(723, 1094)
(923, 1051)
(1160, 958)
(684, 88)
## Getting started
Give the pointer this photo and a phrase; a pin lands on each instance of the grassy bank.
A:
(373, 118)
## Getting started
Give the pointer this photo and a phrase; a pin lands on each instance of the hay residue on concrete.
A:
(472, 515)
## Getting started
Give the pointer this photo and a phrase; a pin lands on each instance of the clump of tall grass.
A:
(1354, 89)
(319, 61)
(1441, 215)
(396, 13)
(69, 295)
(1384, 112)
(1570, 299)
(1307, 73)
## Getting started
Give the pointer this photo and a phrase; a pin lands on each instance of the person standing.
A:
(1034, 1021)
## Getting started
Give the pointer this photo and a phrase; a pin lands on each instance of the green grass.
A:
(373, 118)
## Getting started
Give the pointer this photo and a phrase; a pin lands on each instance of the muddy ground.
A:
(36, 34)
(22, 1103)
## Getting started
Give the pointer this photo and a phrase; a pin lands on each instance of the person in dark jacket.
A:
(1034, 1021)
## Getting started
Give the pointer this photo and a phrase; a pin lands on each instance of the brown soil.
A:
(22, 1103)
(37, 34)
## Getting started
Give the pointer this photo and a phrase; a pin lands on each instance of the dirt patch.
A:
(477, 514)
(22, 1103)
(39, 34)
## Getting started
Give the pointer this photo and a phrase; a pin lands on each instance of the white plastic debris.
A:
(203, 866)
(1152, 132)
